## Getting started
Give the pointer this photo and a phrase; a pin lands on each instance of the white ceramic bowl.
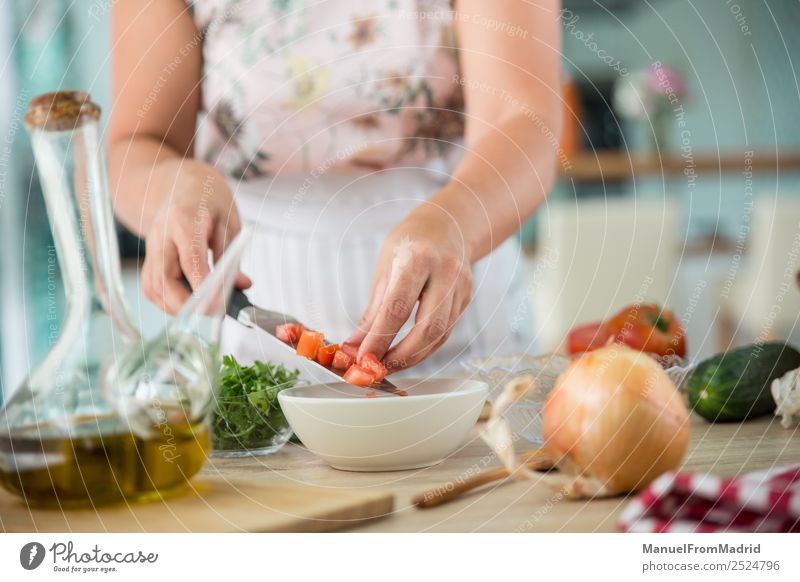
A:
(352, 432)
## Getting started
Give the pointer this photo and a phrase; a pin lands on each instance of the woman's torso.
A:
(326, 86)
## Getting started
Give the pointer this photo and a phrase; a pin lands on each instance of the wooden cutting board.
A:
(211, 506)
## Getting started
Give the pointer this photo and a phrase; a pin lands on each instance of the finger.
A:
(220, 239)
(454, 281)
(398, 365)
(461, 300)
(465, 301)
(243, 281)
(153, 272)
(220, 236)
(366, 321)
(435, 318)
(153, 286)
(193, 255)
(402, 292)
(148, 289)
(169, 282)
(395, 364)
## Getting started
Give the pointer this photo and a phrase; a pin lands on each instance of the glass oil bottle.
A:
(105, 417)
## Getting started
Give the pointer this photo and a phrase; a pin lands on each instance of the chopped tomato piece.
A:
(372, 394)
(359, 376)
(342, 360)
(325, 354)
(350, 349)
(289, 332)
(309, 344)
(374, 365)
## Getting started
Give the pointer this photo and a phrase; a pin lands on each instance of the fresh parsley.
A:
(248, 415)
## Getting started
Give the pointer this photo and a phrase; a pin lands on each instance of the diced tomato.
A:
(350, 349)
(373, 364)
(309, 344)
(289, 332)
(325, 354)
(372, 394)
(342, 360)
(359, 376)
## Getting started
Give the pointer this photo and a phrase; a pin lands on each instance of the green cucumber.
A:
(735, 385)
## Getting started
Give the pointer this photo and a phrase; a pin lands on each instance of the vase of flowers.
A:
(653, 96)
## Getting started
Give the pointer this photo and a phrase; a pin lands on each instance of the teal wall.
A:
(744, 91)
(731, 101)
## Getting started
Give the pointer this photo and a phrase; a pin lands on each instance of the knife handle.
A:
(238, 300)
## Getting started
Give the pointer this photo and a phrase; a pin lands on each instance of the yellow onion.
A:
(614, 422)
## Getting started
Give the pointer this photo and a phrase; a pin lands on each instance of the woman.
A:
(381, 148)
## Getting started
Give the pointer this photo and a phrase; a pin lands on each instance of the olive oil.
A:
(100, 469)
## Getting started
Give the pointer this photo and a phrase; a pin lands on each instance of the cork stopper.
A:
(61, 110)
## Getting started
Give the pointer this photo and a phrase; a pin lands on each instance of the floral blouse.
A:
(326, 85)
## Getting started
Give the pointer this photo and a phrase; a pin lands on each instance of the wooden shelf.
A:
(614, 166)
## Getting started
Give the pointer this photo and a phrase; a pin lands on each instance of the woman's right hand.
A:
(197, 216)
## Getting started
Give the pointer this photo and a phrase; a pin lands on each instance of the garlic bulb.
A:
(786, 393)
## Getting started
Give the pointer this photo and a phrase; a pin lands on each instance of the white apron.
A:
(315, 247)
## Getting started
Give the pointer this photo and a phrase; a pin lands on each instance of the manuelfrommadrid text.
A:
(695, 549)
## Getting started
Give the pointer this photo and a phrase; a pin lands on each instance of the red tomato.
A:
(359, 376)
(289, 332)
(648, 328)
(342, 360)
(325, 354)
(309, 344)
(586, 338)
(373, 364)
(372, 394)
(350, 349)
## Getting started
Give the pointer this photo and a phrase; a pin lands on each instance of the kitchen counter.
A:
(725, 449)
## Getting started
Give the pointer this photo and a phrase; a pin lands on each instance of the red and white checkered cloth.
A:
(766, 501)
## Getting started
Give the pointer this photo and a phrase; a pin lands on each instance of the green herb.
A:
(248, 414)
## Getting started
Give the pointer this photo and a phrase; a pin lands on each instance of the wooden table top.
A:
(724, 449)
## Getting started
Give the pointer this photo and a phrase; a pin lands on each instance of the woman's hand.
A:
(199, 215)
(426, 260)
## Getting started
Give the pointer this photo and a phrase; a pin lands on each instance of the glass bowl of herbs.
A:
(247, 418)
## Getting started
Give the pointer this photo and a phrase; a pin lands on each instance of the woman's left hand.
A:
(426, 260)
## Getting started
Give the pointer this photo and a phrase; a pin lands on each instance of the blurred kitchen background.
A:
(679, 170)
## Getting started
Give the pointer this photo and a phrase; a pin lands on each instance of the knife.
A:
(243, 311)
